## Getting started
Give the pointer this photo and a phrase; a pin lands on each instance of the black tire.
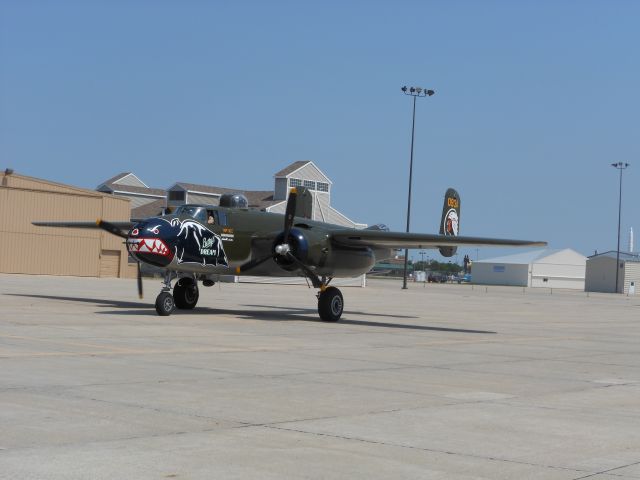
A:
(186, 294)
(165, 304)
(330, 305)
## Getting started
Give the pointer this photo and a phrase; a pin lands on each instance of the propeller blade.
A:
(111, 228)
(290, 213)
(139, 281)
(252, 264)
(311, 275)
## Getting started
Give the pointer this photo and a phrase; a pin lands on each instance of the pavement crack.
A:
(424, 449)
(608, 471)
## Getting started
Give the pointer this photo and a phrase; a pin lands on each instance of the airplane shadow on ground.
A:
(98, 301)
(265, 312)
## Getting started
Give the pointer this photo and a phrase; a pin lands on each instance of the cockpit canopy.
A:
(196, 212)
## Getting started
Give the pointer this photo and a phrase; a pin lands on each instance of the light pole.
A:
(620, 166)
(415, 92)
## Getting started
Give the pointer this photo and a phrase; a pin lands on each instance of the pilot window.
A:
(221, 218)
(197, 213)
(201, 215)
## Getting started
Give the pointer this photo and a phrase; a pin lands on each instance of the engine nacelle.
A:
(299, 248)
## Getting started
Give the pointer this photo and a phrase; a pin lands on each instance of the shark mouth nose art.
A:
(148, 245)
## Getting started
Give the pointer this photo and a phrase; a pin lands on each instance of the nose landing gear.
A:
(185, 295)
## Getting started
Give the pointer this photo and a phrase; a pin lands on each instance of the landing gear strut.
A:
(165, 304)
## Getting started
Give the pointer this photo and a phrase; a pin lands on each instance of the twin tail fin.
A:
(450, 221)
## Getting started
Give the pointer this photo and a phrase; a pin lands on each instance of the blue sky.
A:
(534, 101)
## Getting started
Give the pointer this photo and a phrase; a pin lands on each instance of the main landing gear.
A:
(330, 304)
(330, 301)
(185, 295)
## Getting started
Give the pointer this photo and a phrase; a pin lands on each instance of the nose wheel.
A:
(165, 304)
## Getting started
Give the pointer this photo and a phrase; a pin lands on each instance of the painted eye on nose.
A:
(155, 230)
(134, 232)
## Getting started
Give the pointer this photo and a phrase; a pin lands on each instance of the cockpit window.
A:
(197, 213)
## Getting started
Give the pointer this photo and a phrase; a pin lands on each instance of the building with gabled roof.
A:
(536, 268)
(601, 273)
(128, 185)
(307, 174)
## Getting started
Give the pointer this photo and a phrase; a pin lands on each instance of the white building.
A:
(537, 268)
(307, 174)
(601, 273)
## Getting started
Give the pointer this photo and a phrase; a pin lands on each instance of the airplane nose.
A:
(146, 243)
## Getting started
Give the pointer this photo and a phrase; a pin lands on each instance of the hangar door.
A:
(109, 263)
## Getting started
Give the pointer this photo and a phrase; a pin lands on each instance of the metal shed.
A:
(601, 273)
(538, 268)
(58, 251)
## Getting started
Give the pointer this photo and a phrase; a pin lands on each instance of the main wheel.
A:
(164, 304)
(186, 293)
(330, 305)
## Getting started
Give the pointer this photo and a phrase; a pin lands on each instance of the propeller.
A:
(140, 295)
(290, 212)
(114, 230)
(111, 228)
(282, 249)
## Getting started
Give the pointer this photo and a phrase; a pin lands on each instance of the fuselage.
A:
(215, 240)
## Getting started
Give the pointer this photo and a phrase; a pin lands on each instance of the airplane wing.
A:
(446, 240)
(397, 240)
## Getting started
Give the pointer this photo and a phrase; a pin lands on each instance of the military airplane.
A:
(198, 243)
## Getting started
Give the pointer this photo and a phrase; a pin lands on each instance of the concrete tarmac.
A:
(435, 382)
